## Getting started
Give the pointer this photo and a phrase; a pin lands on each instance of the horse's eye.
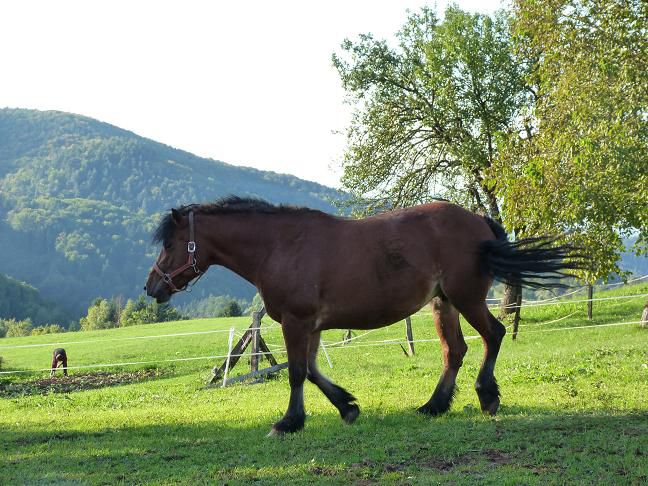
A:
(167, 246)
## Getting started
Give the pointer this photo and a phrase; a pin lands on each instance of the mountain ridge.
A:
(80, 197)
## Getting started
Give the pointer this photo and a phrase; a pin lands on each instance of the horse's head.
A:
(176, 266)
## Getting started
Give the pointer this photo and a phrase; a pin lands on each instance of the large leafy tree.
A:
(429, 114)
(582, 168)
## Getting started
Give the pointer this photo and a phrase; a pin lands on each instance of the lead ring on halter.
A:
(191, 263)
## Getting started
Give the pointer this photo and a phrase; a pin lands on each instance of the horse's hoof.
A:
(491, 409)
(431, 410)
(287, 425)
(275, 433)
(351, 414)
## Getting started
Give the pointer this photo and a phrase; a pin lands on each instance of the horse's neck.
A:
(241, 242)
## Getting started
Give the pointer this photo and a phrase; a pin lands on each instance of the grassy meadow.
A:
(574, 407)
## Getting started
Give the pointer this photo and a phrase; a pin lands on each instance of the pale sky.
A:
(246, 82)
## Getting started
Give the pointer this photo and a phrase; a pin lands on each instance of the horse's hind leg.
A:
(453, 346)
(338, 396)
(492, 332)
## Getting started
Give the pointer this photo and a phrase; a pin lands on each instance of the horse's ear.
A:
(176, 216)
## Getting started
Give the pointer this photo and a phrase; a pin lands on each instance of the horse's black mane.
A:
(226, 205)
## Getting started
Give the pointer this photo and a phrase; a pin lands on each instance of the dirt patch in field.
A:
(75, 382)
(492, 457)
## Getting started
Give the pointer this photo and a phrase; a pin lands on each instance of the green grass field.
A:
(574, 408)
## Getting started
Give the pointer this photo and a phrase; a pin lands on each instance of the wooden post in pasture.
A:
(590, 295)
(347, 336)
(251, 336)
(256, 339)
(518, 308)
(410, 336)
(644, 316)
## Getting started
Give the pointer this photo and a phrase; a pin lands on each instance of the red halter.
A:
(191, 263)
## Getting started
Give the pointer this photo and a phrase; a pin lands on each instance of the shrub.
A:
(17, 328)
(47, 329)
(231, 309)
(141, 312)
(101, 315)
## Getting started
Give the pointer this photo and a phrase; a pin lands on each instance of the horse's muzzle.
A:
(158, 290)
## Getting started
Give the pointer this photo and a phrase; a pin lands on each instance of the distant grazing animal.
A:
(59, 358)
(316, 271)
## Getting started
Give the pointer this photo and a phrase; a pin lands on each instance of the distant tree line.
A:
(215, 306)
(110, 313)
(114, 312)
(18, 328)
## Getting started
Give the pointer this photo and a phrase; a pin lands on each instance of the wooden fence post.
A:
(644, 316)
(256, 334)
(518, 308)
(347, 336)
(410, 337)
(251, 336)
(590, 294)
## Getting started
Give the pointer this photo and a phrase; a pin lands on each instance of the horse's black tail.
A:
(530, 262)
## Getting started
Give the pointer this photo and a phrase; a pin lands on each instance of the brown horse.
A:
(315, 272)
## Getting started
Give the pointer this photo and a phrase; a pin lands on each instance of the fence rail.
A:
(347, 343)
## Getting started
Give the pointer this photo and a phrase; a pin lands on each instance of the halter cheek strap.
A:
(191, 263)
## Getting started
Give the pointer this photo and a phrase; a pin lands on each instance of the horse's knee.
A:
(497, 328)
(456, 355)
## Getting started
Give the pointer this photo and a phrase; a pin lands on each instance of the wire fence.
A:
(328, 346)
(349, 343)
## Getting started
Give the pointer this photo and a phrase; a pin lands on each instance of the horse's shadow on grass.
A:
(395, 445)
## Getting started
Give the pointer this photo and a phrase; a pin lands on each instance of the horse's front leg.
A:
(296, 336)
(338, 396)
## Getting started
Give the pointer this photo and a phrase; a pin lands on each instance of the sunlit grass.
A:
(574, 409)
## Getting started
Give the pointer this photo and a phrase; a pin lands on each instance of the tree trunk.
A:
(509, 301)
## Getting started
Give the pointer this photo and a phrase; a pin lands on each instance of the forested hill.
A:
(21, 301)
(79, 198)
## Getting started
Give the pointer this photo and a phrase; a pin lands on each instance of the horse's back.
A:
(388, 266)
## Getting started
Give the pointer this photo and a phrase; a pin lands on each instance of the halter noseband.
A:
(191, 263)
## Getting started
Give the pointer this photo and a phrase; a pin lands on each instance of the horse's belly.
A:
(371, 312)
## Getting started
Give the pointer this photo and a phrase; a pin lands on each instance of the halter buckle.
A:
(191, 247)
